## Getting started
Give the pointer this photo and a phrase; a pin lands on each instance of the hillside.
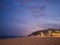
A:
(46, 32)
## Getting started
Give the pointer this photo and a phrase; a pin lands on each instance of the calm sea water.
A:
(6, 37)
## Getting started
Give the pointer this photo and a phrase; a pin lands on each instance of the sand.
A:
(31, 41)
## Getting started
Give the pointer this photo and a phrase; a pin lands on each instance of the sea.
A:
(7, 37)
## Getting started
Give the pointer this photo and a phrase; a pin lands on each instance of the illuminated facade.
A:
(50, 33)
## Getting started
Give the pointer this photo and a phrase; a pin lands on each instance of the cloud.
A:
(51, 26)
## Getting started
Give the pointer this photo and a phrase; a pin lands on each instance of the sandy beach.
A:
(31, 41)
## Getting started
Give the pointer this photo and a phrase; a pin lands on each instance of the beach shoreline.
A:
(33, 40)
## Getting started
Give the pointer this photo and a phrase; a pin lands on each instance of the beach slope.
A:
(31, 41)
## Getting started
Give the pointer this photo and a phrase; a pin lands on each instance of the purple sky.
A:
(22, 17)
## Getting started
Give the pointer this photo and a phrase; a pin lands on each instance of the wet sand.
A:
(31, 41)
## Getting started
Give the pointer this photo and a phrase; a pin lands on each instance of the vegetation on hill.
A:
(46, 32)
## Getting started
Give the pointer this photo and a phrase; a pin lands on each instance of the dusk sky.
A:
(22, 17)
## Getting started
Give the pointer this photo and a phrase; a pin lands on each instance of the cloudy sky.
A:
(22, 17)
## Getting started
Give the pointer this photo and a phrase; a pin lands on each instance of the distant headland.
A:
(47, 32)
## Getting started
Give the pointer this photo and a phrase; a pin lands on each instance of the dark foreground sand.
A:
(31, 41)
